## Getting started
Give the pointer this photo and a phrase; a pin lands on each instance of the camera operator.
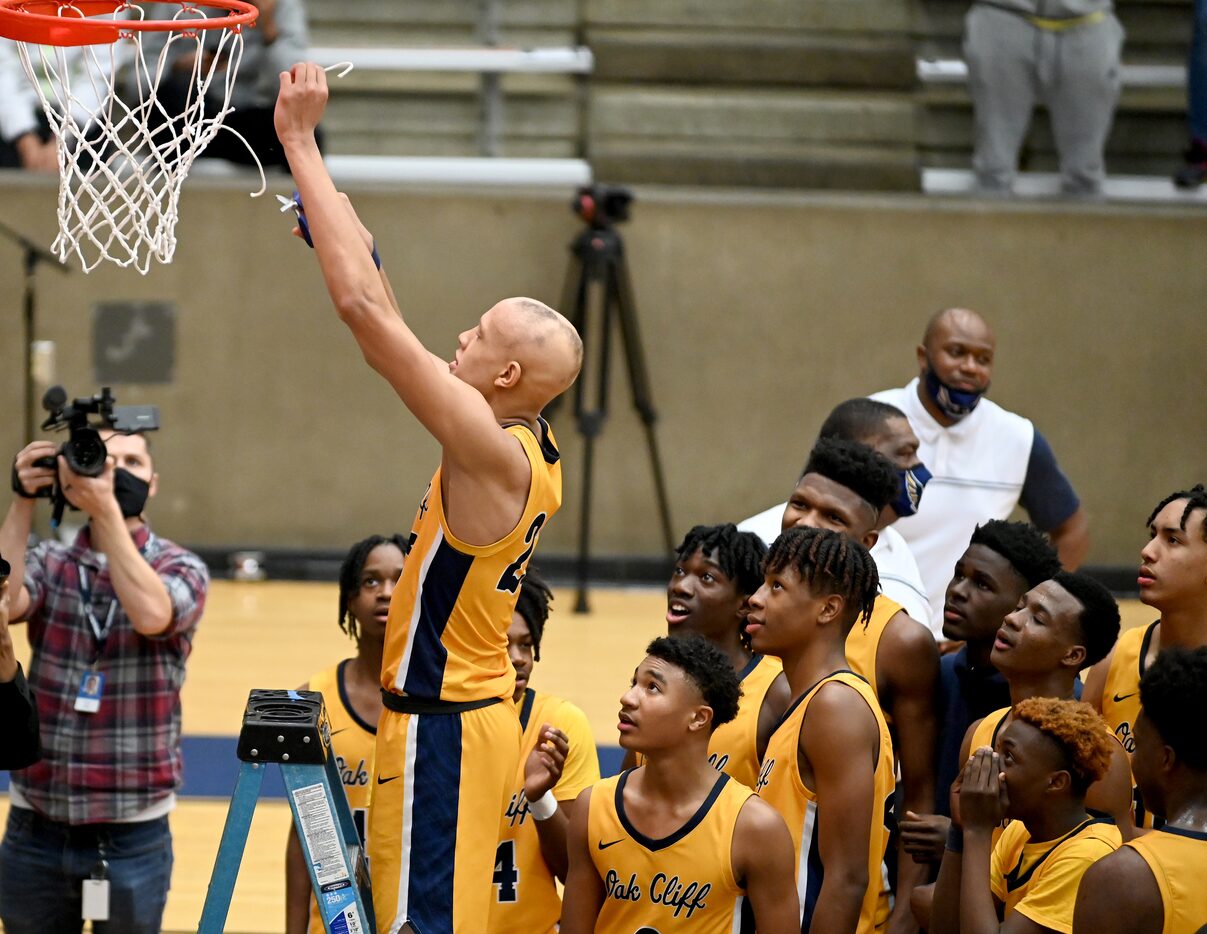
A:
(18, 713)
(111, 621)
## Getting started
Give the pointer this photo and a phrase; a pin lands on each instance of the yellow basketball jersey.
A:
(1178, 860)
(863, 642)
(526, 899)
(353, 741)
(986, 732)
(1121, 690)
(780, 785)
(1040, 880)
(683, 882)
(446, 637)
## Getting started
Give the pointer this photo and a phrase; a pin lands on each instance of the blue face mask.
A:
(912, 482)
(954, 403)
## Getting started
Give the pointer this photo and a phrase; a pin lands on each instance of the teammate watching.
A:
(1060, 627)
(1051, 752)
(828, 769)
(557, 761)
(845, 487)
(886, 430)
(1173, 581)
(1001, 563)
(351, 691)
(448, 742)
(716, 569)
(1154, 884)
(673, 846)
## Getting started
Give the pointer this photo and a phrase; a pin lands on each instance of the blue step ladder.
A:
(291, 728)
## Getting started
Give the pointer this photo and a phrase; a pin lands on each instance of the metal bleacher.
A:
(846, 94)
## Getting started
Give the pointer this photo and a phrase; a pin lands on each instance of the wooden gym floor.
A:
(275, 635)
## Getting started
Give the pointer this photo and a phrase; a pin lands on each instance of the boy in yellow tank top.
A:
(846, 487)
(1060, 627)
(1051, 752)
(1173, 581)
(716, 569)
(672, 846)
(557, 761)
(448, 742)
(351, 692)
(1157, 883)
(828, 768)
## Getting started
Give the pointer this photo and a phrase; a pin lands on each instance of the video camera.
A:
(84, 451)
(602, 205)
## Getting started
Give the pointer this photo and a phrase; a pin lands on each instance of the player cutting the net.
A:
(447, 745)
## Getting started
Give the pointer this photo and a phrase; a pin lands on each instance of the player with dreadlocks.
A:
(716, 569)
(845, 487)
(557, 761)
(351, 690)
(1173, 580)
(828, 768)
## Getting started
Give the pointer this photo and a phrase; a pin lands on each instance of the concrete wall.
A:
(759, 313)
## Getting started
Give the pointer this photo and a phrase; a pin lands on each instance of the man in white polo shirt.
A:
(984, 460)
(885, 430)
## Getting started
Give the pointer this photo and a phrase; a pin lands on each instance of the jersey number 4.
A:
(513, 573)
(506, 877)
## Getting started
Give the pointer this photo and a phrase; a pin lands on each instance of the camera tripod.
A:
(598, 258)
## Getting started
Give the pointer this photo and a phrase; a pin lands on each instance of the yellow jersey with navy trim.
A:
(446, 638)
(681, 883)
(781, 785)
(1121, 701)
(863, 642)
(526, 898)
(353, 741)
(733, 747)
(1040, 880)
(1177, 859)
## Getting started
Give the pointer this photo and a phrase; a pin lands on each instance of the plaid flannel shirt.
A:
(119, 761)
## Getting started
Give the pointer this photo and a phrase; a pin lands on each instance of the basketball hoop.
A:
(122, 159)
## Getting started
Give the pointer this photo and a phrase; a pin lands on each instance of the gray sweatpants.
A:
(1074, 72)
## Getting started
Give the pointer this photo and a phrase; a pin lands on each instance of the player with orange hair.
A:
(1047, 758)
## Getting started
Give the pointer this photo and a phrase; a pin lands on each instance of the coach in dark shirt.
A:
(19, 745)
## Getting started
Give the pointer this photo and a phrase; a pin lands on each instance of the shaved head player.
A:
(449, 739)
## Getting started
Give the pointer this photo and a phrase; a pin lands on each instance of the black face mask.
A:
(131, 492)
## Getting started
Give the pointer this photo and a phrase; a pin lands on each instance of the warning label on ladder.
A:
(322, 839)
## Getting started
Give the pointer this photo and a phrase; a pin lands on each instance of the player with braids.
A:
(1173, 580)
(716, 569)
(351, 690)
(1047, 758)
(1154, 883)
(828, 768)
(557, 761)
(845, 487)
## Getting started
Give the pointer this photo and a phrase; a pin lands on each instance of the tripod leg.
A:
(639, 381)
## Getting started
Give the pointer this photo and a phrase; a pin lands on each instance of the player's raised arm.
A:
(455, 411)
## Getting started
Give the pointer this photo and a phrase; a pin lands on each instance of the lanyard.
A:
(101, 632)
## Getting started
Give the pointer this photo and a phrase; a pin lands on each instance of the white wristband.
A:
(543, 807)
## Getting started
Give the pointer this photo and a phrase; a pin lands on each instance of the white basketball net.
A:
(122, 155)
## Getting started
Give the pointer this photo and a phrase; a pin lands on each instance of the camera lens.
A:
(85, 452)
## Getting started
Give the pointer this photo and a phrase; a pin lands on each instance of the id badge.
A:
(92, 686)
(95, 896)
